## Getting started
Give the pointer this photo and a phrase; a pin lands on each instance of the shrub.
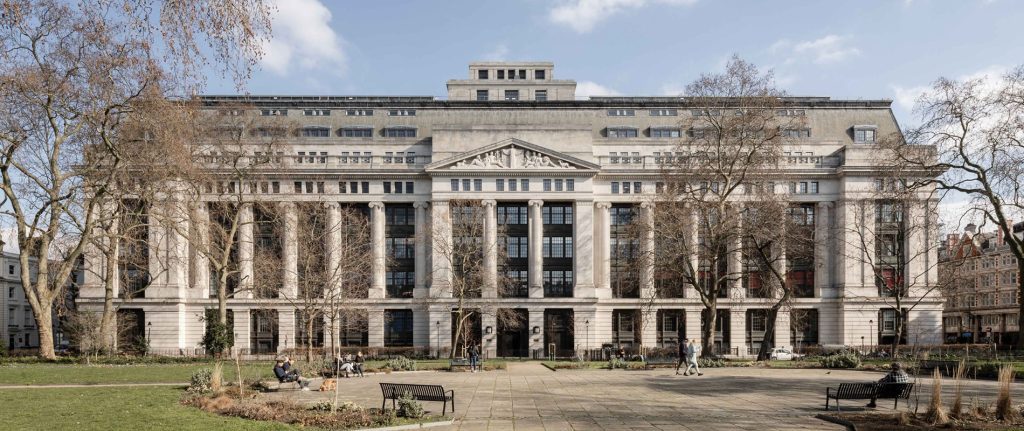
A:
(201, 381)
(840, 360)
(408, 407)
(216, 377)
(218, 338)
(400, 363)
(710, 362)
(322, 406)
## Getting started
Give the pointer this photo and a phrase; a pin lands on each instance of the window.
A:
(499, 184)
(803, 187)
(664, 132)
(10, 292)
(557, 215)
(547, 185)
(359, 112)
(864, 134)
(402, 112)
(541, 95)
(273, 112)
(796, 133)
(481, 74)
(524, 185)
(517, 247)
(664, 113)
(316, 112)
(622, 132)
(621, 112)
(482, 95)
(511, 94)
(790, 112)
(501, 74)
(539, 74)
(400, 132)
(467, 184)
(478, 185)
(316, 132)
(398, 327)
(455, 185)
(615, 187)
(357, 132)
(10, 269)
(570, 185)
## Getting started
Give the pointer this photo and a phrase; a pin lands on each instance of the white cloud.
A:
(673, 89)
(583, 15)
(585, 89)
(906, 96)
(303, 39)
(829, 49)
(499, 53)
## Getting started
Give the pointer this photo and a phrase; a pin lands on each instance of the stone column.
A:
(584, 244)
(536, 228)
(782, 338)
(286, 329)
(334, 248)
(375, 326)
(201, 263)
(690, 291)
(420, 288)
(379, 260)
(822, 250)
(647, 290)
(692, 329)
(490, 244)
(243, 330)
(441, 249)
(536, 320)
(738, 331)
(290, 251)
(178, 247)
(734, 262)
(604, 251)
(649, 332)
(246, 251)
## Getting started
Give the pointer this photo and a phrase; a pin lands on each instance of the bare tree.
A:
(68, 74)
(734, 144)
(977, 128)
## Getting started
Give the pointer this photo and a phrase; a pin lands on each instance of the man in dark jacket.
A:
(285, 375)
(682, 355)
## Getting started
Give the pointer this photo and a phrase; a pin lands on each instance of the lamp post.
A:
(871, 325)
(587, 322)
(437, 329)
(862, 344)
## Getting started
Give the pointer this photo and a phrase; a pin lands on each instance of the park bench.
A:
(458, 362)
(867, 391)
(393, 391)
(659, 361)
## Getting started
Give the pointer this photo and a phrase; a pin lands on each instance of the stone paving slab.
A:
(528, 396)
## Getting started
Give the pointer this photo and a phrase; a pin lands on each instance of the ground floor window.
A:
(803, 328)
(671, 327)
(398, 326)
(352, 328)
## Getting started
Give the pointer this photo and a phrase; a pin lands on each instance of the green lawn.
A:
(81, 409)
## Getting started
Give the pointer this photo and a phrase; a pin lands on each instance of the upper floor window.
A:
(665, 132)
(481, 74)
(316, 112)
(316, 132)
(232, 112)
(541, 95)
(803, 187)
(622, 132)
(864, 134)
(539, 74)
(621, 112)
(482, 95)
(664, 112)
(273, 112)
(357, 132)
(790, 112)
(796, 133)
(402, 112)
(400, 132)
(359, 112)
(511, 94)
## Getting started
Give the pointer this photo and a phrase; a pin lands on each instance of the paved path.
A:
(528, 396)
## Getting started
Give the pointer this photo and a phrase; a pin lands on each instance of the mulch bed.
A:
(889, 422)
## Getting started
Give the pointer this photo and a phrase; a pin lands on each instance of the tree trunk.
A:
(708, 333)
(44, 321)
(764, 352)
(309, 340)
(222, 297)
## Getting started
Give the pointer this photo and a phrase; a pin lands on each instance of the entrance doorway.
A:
(513, 333)
(558, 332)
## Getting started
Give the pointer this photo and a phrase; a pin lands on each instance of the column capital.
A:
(603, 205)
(535, 203)
(377, 205)
(332, 205)
(489, 202)
(825, 204)
(421, 204)
(646, 205)
(439, 202)
(287, 205)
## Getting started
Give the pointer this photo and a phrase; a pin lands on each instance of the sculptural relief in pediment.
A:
(512, 157)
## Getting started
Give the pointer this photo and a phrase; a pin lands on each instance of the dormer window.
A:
(539, 74)
(402, 112)
(481, 74)
(864, 134)
(316, 132)
(273, 112)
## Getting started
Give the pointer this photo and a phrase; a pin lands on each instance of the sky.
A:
(845, 50)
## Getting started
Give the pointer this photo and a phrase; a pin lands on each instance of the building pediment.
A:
(513, 155)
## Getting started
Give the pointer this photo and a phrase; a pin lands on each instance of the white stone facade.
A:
(571, 154)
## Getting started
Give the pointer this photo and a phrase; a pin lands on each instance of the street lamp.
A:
(871, 326)
(437, 329)
(149, 336)
(587, 322)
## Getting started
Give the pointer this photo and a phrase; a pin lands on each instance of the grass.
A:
(83, 409)
(66, 374)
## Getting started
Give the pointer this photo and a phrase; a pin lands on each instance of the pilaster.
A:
(246, 272)
(420, 287)
(490, 245)
(441, 249)
(584, 243)
(290, 252)
(536, 268)
(603, 259)
(379, 260)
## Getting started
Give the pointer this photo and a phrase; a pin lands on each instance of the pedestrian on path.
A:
(683, 355)
(474, 356)
(692, 352)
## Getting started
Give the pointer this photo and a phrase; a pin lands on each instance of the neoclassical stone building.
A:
(558, 175)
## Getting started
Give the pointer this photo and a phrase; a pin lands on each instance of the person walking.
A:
(683, 355)
(474, 356)
(692, 352)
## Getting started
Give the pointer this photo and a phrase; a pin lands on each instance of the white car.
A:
(781, 354)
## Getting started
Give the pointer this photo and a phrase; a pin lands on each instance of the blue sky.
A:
(855, 50)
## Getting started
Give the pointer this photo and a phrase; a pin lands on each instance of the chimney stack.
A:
(970, 228)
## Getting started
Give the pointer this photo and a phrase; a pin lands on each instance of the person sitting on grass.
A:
(896, 375)
(284, 374)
